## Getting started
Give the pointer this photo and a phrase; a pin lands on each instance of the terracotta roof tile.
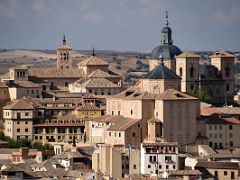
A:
(20, 104)
(123, 124)
(222, 54)
(99, 83)
(88, 107)
(188, 54)
(218, 165)
(55, 72)
(93, 60)
(24, 84)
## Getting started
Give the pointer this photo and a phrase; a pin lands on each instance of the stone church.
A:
(216, 79)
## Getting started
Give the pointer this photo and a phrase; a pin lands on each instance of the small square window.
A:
(26, 129)
(230, 126)
(149, 166)
(18, 130)
(225, 173)
(26, 122)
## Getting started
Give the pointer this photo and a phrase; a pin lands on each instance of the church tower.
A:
(187, 67)
(64, 56)
(166, 49)
(224, 62)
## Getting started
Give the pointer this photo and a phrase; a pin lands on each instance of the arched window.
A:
(180, 71)
(191, 72)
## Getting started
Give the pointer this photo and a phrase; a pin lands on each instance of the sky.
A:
(124, 25)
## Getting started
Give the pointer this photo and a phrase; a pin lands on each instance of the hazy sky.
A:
(119, 24)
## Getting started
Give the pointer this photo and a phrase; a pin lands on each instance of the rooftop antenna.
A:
(166, 18)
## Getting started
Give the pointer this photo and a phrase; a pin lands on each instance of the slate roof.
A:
(161, 72)
(188, 54)
(92, 61)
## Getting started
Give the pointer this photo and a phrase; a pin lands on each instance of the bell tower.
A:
(64, 56)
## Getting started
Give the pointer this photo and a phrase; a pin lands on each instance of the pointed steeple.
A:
(166, 33)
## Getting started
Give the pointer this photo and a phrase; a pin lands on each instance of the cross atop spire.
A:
(64, 39)
(93, 52)
(166, 18)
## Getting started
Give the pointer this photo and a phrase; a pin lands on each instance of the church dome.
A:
(166, 48)
(168, 51)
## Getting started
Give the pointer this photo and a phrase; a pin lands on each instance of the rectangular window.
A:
(118, 112)
(26, 129)
(66, 84)
(109, 134)
(210, 127)
(32, 91)
(26, 114)
(230, 126)
(220, 127)
(18, 115)
(119, 134)
(215, 127)
(216, 173)
(133, 134)
(26, 122)
(18, 130)
(231, 144)
(149, 166)
(225, 173)
(230, 135)
(232, 175)
(131, 111)
(134, 166)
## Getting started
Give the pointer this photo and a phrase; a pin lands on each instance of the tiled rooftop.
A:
(93, 60)
(188, 54)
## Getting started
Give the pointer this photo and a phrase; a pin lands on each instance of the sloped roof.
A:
(88, 107)
(107, 118)
(93, 60)
(123, 124)
(3, 85)
(24, 84)
(99, 73)
(99, 83)
(217, 165)
(172, 94)
(134, 94)
(19, 104)
(154, 120)
(161, 72)
(222, 54)
(55, 72)
(65, 47)
(188, 54)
